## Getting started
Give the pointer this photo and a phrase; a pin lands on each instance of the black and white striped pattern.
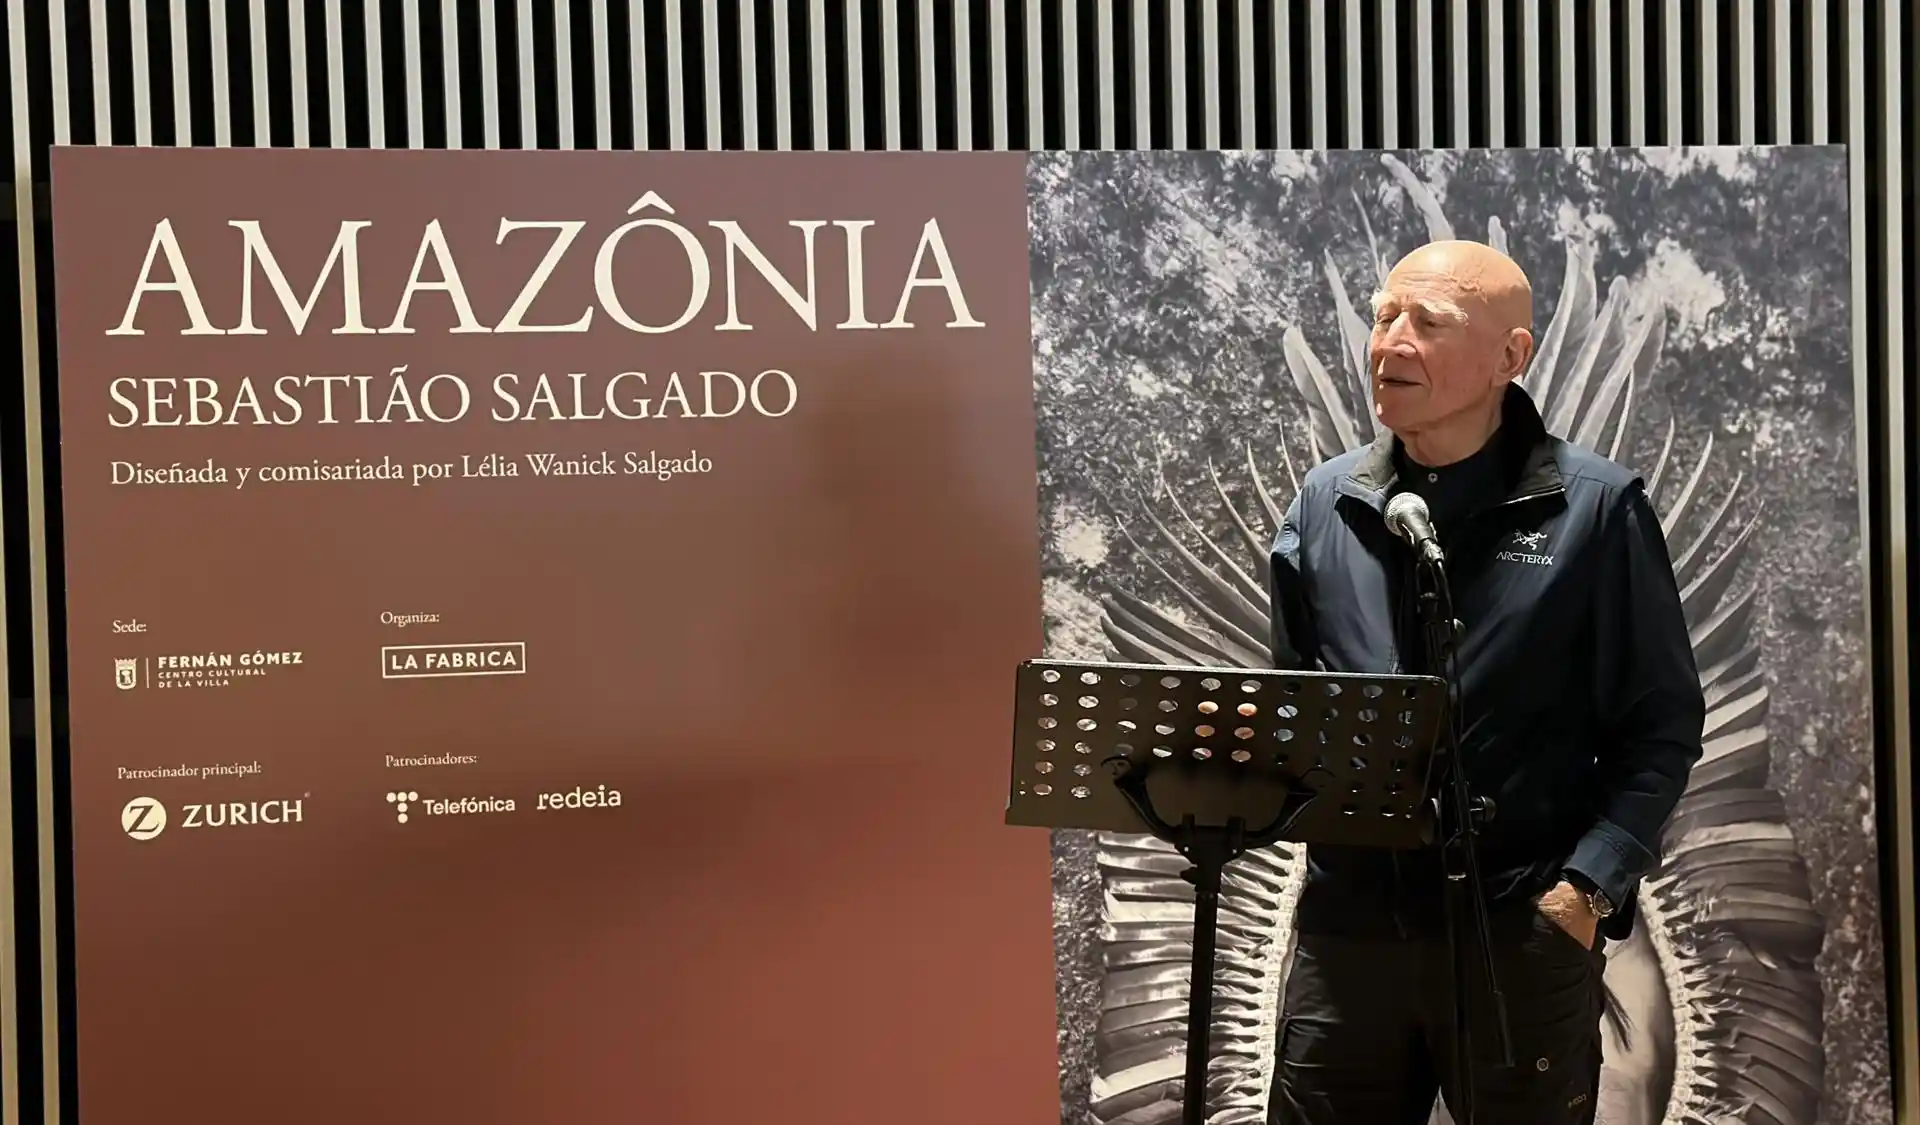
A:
(920, 74)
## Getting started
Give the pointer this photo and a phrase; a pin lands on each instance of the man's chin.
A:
(1396, 416)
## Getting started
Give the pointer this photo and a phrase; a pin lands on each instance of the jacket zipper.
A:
(1523, 498)
(1393, 907)
(1398, 890)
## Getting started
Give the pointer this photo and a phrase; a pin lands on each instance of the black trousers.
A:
(1367, 1029)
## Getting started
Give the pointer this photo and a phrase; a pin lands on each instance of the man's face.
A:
(1437, 348)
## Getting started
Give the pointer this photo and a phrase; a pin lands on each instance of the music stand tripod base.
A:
(1219, 761)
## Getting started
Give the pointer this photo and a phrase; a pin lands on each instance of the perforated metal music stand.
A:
(1219, 761)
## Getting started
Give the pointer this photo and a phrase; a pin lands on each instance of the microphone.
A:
(1407, 517)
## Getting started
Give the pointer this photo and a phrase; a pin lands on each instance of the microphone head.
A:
(1405, 512)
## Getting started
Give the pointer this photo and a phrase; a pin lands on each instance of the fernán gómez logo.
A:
(201, 669)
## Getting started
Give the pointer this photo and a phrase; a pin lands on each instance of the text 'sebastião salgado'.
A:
(401, 395)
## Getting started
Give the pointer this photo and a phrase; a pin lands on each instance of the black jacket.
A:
(1581, 707)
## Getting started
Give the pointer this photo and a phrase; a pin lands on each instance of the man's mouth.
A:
(1385, 378)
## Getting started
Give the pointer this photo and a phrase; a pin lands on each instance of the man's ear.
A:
(1516, 354)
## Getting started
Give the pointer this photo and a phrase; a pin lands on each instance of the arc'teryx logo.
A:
(143, 818)
(1530, 544)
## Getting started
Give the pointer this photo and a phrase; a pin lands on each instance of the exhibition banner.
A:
(541, 626)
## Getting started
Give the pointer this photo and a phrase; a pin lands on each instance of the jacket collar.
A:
(1530, 465)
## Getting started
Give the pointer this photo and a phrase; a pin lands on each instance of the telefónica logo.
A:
(407, 804)
(400, 801)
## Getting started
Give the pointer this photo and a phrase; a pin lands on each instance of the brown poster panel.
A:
(541, 633)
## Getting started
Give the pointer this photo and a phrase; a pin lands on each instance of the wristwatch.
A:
(1597, 901)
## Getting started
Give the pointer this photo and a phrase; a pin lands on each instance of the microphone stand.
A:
(1461, 817)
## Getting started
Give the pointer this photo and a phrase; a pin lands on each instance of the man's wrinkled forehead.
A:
(1395, 300)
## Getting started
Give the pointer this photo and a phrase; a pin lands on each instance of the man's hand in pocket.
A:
(1567, 908)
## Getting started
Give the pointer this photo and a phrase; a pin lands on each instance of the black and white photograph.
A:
(1200, 332)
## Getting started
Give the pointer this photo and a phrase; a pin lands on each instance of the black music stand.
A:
(1219, 761)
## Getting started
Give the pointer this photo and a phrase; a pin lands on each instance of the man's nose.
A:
(1393, 344)
(1393, 339)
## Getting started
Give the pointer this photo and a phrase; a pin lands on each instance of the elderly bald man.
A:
(1580, 707)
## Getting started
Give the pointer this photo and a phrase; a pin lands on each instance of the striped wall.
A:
(917, 74)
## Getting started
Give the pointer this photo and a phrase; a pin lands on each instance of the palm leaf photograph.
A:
(1718, 1004)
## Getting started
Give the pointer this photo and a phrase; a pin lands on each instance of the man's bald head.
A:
(1474, 273)
(1452, 327)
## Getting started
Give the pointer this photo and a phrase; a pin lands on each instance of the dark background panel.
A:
(994, 73)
